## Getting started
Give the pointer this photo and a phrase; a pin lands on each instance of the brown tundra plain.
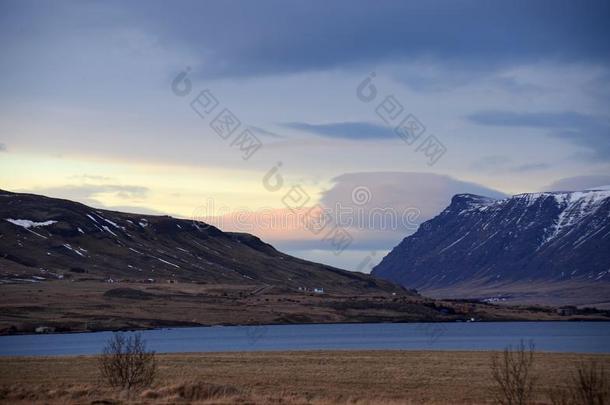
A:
(316, 377)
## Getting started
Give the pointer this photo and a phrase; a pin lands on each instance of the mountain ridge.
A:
(49, 238)
(479, 242)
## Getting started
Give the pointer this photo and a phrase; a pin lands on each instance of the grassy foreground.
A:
(318, 377)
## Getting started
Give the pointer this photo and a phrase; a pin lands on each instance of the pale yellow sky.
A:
(171, 189)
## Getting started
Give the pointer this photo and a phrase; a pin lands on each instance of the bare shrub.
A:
(587, 386)
(591, 384)
(125, 363)
(513, 374)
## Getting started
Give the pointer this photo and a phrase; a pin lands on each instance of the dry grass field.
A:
(319, 377)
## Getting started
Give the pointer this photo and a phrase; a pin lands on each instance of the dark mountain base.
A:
(581, 294)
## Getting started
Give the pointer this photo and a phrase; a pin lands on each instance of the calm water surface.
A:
(584, 337)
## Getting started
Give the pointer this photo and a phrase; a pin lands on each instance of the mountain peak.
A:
(471, 200)
(553, 237)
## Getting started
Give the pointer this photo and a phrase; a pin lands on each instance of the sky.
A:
(329, 129)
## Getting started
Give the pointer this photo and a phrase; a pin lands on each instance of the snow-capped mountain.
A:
(479, 242)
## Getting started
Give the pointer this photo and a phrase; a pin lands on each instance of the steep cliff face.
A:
(540, 237)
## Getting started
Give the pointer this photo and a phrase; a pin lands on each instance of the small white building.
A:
(44, 329)
(318, 290)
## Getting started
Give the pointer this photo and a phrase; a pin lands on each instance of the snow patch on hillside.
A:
(575, 206)
(27, 224)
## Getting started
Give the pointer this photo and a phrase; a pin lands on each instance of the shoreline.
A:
(273, 352)
(432, 322)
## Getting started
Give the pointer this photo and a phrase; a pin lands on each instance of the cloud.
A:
(500, 163)
(589, 131)
(511, 84)
(345, 130)
(2, 147)
(308, 36)
(273, 37)
(264, 132)
(91, 177)
(385, 198)
(530, 167)
(94, 195)
(578, 183)
(90, 193)
(428, 192)
(491, 163)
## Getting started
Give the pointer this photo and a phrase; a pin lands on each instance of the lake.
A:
(583, 337)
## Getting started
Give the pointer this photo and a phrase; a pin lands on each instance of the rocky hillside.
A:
(480, 246)
(45, 238)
